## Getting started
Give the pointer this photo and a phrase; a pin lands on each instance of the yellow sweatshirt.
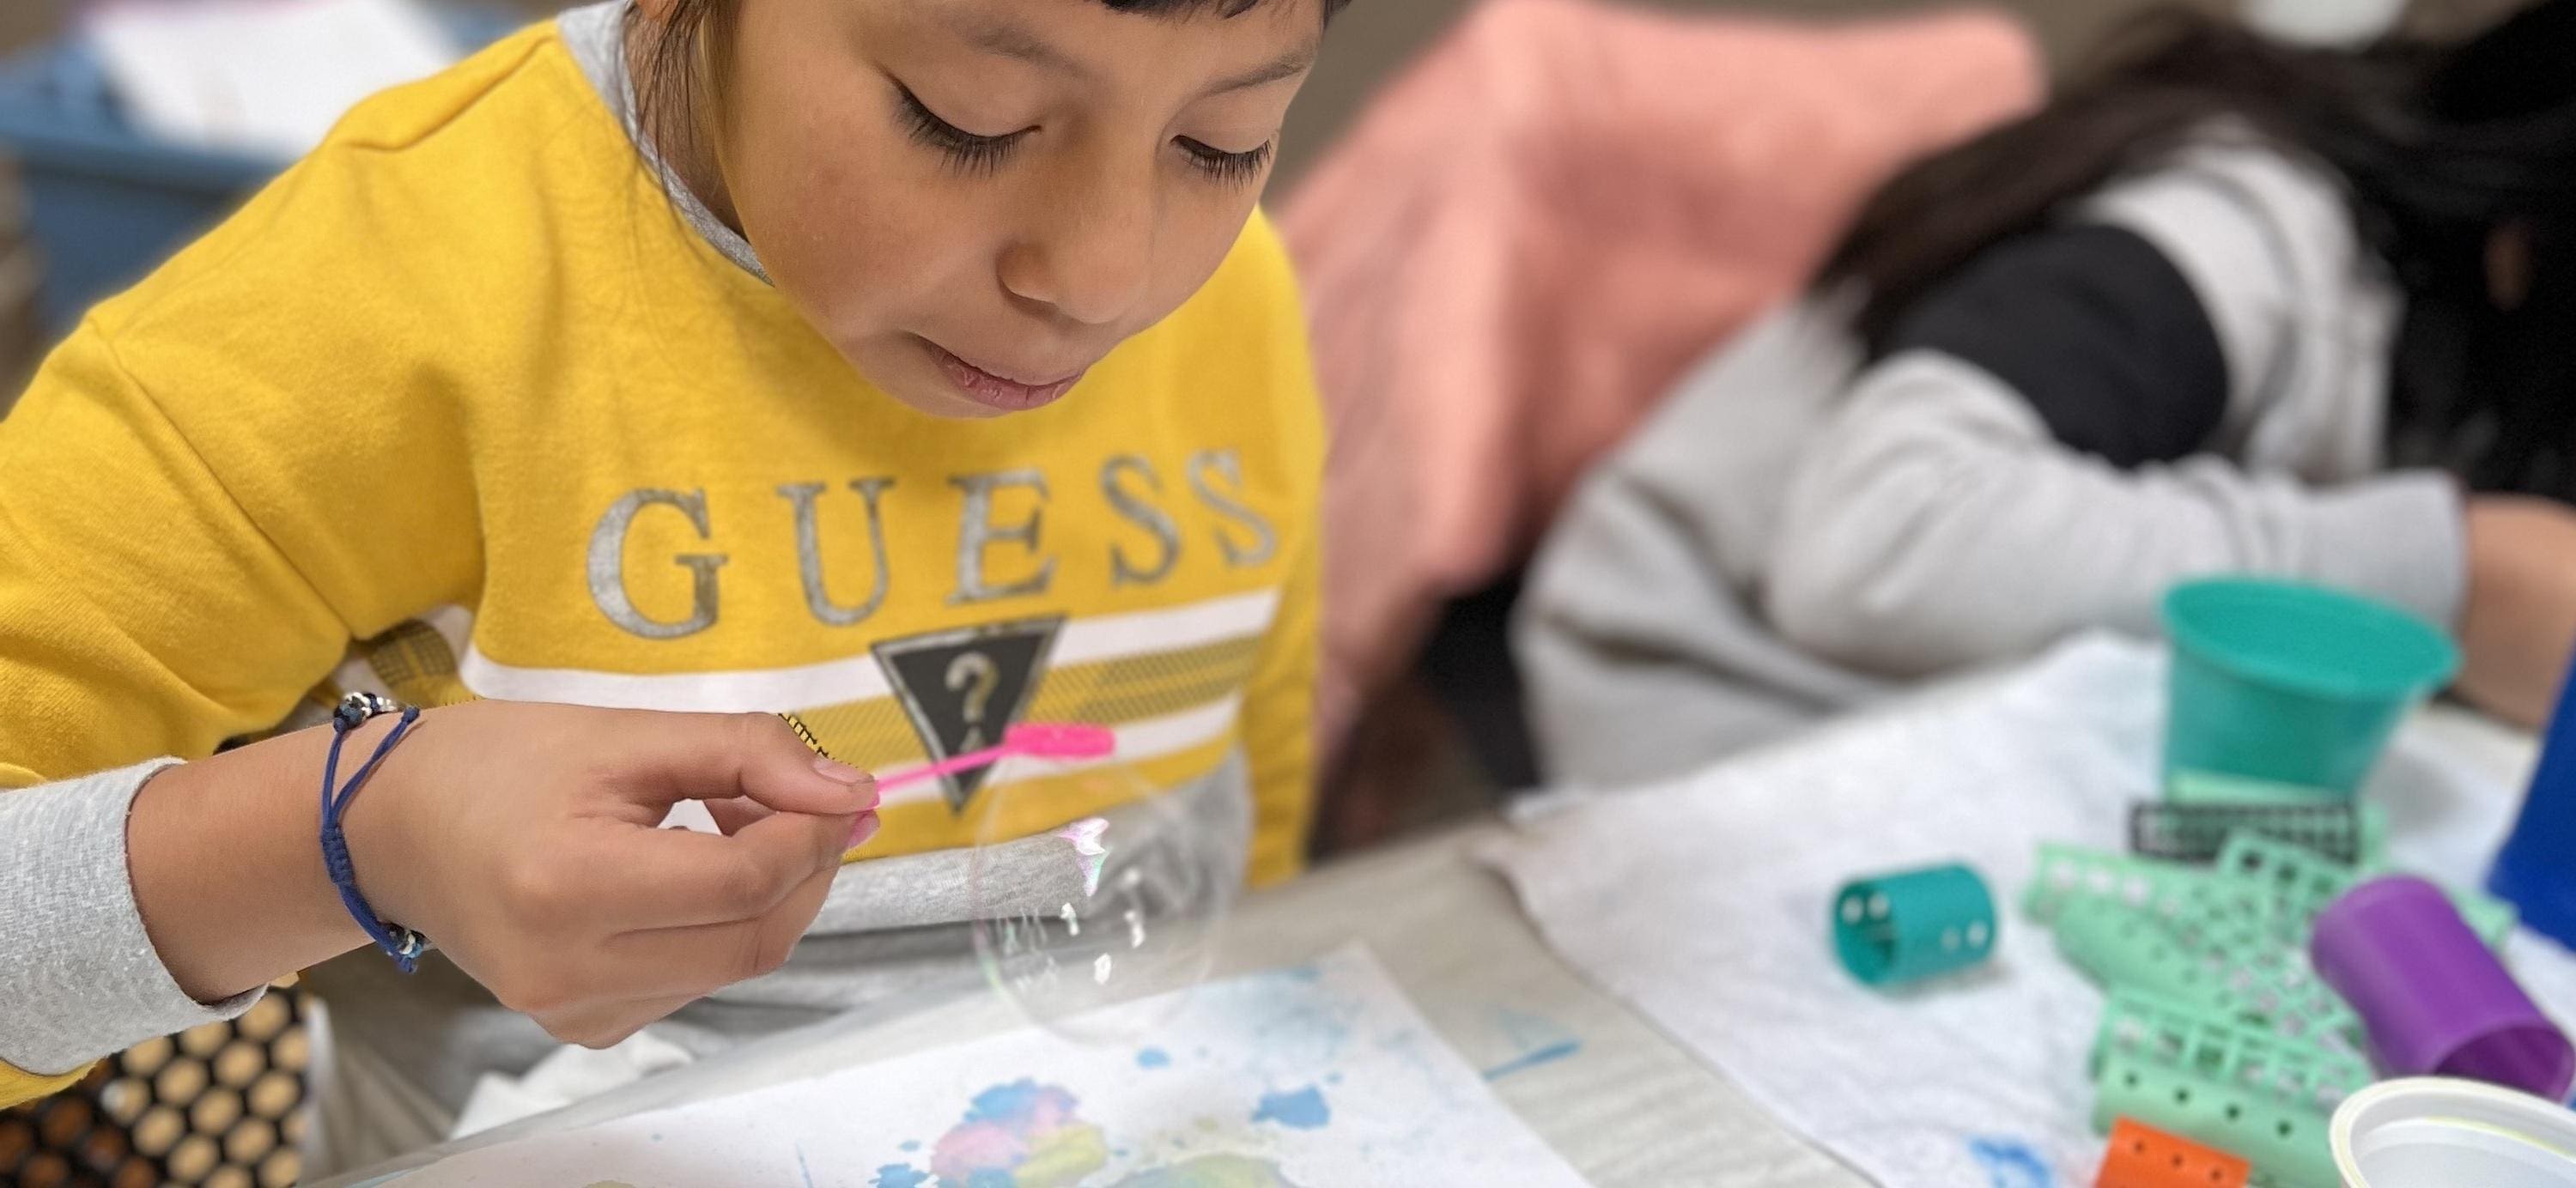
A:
(458, 407)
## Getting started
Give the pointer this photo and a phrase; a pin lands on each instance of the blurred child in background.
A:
(2224, 305)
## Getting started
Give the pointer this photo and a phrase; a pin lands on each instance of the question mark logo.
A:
(976, 675)
(963, 689)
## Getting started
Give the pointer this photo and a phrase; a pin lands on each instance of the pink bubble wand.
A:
(1039, 740)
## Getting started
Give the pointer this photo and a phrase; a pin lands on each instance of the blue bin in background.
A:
(107, 203)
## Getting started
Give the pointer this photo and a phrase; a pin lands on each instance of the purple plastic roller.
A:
(2434, 1000)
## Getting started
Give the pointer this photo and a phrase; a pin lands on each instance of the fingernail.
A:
(839, 772)
(861, 830)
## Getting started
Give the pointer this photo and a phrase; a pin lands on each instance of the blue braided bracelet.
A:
(402, 944)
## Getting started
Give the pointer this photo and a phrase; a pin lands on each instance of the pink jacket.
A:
(1539, 225)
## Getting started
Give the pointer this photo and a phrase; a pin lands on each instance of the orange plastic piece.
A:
(2142, 1156)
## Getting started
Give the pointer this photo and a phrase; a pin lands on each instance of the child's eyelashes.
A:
(1230, 168)
(970, 153)
(978, 155)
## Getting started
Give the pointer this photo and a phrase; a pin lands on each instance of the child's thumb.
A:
(759, 756)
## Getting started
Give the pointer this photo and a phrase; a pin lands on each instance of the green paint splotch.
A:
(1301, 1109)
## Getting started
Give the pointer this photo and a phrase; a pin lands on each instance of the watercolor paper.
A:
(1319, 1076)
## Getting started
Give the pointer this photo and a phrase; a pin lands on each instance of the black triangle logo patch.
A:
(964, 689)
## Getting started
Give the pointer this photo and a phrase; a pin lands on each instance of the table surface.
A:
(1627, 1107)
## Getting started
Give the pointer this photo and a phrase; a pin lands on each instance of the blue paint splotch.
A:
(1529, 1060)
(1301, 1109)
(911, 1145)
(2010, 1163)
(1019, 1101)
(899, 1175)
(1153, 1058)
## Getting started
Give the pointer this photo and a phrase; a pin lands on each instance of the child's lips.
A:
(994, 390)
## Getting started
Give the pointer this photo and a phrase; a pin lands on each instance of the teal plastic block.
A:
(1911, 925)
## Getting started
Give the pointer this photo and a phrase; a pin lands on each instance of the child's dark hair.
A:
(2441, 145)
(670, 94)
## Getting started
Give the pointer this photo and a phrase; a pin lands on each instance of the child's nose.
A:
(1088, 249)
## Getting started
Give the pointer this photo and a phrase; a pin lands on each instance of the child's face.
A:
(975, 200)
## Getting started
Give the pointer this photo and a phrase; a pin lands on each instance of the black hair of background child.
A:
(2441, 144)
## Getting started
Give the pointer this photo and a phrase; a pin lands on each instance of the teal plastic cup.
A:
(2291, 684)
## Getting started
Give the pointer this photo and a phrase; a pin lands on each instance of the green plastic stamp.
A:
(2073, 874)
(2230, 939)
(2256, 879)
(1897, 928)
(2228, 965)
(2240, 1089)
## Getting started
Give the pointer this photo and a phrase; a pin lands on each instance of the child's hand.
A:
(2520, 626)
(523, 840)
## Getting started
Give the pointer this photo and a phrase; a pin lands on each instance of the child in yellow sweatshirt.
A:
(914, 366)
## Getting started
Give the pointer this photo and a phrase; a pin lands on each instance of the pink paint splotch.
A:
(1027, 1135)
(1004, 1127)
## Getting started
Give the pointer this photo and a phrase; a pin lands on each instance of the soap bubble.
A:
(1098, 902)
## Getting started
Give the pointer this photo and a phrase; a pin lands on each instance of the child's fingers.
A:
(670, 878)
(732, 816)
(702, 958)
(606, 1024)
(722, 756)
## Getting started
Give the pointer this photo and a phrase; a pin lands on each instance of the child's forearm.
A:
(2520, 624)
(226, 859)
(523, 837)
(80, 973)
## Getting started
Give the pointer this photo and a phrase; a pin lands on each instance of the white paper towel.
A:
(1703, 903)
